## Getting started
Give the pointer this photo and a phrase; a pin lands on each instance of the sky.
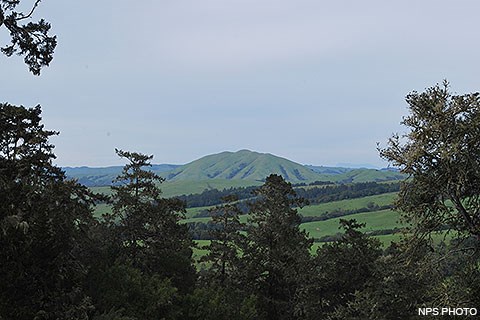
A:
(317, 82)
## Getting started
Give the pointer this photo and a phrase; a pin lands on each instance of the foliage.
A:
(340, 269)
(401, 281)
(145, 225)
(27, 39)
(227, 241)
(44, 223)
(276, 256)
(441, 155)
(126, 290)
(345, 191)
(217, 303)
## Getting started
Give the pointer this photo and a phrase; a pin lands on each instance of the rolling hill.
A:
(244, 165)
(92, 177)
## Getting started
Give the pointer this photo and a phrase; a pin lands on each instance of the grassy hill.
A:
(226, 169)
(367, 175)
(243, 165)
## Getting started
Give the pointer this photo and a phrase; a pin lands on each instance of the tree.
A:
(277, 254)
(399, 282)
(224, 250)
(340, 269)
(27, 39)
(147, 226)
(44, 223)
(441, 156)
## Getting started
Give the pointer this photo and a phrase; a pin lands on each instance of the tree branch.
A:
(466, 216)
(31, 12)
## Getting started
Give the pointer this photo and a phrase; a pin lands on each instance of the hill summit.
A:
(242, 165)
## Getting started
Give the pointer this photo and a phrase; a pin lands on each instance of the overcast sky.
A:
(317, 82)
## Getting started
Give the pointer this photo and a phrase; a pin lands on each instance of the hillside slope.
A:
(243, 165)
(92, 177)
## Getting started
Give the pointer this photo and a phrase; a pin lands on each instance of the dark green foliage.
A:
(343, 213)
(340, 269)
(145, 225)
(224, 250)
(459, 267)
(130, 292)
(27, 39)
(401, 281)
(345, 191)
(441, 154)
(217, 303)
(44, 223)
(145, 257)
(276, 256)
(214, 197)
(313, 195)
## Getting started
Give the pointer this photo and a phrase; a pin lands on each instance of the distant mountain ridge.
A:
(240, 165)
(103, 176)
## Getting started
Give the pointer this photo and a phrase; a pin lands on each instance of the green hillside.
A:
(366, 175)
(243, 165)
(226, 169)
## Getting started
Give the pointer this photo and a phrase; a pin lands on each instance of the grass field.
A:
(376, 220)
(349, 204)
(177, 188)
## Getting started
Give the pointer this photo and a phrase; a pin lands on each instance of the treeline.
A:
(212, 197)
(203, 230)
(314, 195)
(343, 213)
(346, 191)
(135, 263)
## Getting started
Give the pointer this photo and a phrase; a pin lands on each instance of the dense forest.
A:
(59, 261)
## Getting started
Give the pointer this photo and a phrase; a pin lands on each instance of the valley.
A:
(334, 193)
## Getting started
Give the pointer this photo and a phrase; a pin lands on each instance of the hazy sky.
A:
(318, 82)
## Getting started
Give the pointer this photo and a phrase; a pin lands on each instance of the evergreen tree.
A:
(147, 226)
(276, 256)
(224, 250)
(340, 269)
(441, 155)
(28, 39)
(44, 225)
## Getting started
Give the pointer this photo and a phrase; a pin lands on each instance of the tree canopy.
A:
(441, 155)
(31, 40)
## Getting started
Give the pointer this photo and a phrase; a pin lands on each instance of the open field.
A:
(349, 204)
(376, 220)
(177, 188)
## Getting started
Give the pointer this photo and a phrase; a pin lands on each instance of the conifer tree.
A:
(44, 223)
(147, 226)
(277, 255)
(31, 40)
(224, 250)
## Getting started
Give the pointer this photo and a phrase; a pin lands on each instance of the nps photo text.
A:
(447, 311)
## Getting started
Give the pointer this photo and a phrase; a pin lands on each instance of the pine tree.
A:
(147, 226)
(224, 250)
(277, 255)
(44, 224)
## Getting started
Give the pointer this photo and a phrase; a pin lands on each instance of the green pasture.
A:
(376, 220)
(348, 204)
(177, 188)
